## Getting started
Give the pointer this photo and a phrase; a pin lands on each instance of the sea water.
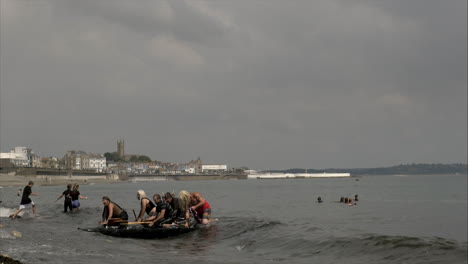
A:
(398, 219)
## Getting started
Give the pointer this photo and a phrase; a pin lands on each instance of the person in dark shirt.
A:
(146, 206)
(164, 212)
(67, 203)
(174, 202)
(76, 196)
(26, 201)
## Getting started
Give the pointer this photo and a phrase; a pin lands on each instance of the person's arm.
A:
(187, 216)
(82, 197)
(160, 216)
(110, 211)
(200, 200)
(142, 210)
(57, 198)
(104, 216)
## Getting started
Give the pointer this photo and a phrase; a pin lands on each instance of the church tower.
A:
(121, 148)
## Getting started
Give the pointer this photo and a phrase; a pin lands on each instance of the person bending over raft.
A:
(112, 211)
(164, 212)
(202, 207)
(186, 214)
(174, 202)
(146, 206)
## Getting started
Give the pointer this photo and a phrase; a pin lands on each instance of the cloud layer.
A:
(264, 84)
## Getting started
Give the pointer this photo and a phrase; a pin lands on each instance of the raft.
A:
(140, 231)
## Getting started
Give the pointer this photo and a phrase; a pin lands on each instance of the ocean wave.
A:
(368, 249)
(6, 212)
(238, 226)
(276, 241)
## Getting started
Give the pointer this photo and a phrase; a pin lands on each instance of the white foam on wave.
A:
(6, 212)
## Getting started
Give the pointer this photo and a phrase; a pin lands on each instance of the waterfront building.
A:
(214, 168)
(35, 161)
(50, 163)
(73, 159)
(195, 166)
(95, 162)
(19, 157)
(80, 160)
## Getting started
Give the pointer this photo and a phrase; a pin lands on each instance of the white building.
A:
(95, 162)
(19, 156)
(214, 168)
(80, 160)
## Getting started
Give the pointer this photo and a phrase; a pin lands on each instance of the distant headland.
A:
(407, 169)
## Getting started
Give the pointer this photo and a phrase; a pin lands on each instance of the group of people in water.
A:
(346, 200)
(72, 198)
(166, 210)
(71, 201)
(349, 201)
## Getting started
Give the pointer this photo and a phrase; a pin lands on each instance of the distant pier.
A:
(297, 175)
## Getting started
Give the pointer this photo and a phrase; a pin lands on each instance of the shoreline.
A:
(8, 180)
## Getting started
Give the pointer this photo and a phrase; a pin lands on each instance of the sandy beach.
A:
(9, 180)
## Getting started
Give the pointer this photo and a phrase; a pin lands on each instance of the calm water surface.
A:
(399, 219)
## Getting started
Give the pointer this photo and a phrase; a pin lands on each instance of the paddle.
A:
(115, 221)
(135, 223)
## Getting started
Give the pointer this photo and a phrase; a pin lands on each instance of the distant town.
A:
(121, 163)
(110, 162)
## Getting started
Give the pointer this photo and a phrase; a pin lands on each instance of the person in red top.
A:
(202, 207)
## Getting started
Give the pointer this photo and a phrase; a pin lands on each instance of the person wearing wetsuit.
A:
(174, 202)
(164, 212)
(112, 211)
(146, 206)
(76, 196)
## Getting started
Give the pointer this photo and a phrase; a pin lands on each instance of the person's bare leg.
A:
(34, 210)
(15, 214)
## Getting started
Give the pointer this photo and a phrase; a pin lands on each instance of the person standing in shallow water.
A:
(67, 203)
(76, 196)
(26, 201)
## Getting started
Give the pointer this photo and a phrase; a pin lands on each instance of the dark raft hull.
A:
(140, 232)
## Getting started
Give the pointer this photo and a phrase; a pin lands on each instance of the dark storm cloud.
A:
(264, 84)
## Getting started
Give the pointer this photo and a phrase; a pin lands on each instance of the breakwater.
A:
(186, 177)
(54, 175)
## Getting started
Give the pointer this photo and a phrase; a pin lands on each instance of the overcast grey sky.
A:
(267, 84)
